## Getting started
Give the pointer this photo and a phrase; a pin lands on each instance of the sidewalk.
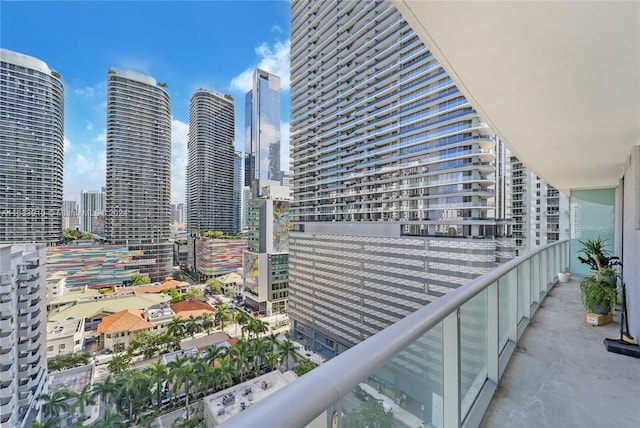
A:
(400, 414)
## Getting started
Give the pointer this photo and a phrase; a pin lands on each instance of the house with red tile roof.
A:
(191, 306)
(115, 330)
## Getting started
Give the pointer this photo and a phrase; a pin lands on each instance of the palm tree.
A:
(241, 318)
(157, 373)
(239, 353)
(287, 349)
(120, 363)
(54, 404)
(185, 376)
(206, 321)
(258, 326)
(272, 359)
(83, 398)
(226, 373)
(176, 327)
(213, 353)
(49, 423)
(273, 342)
(130, 390)
(259, 349)
(222, 315)
(104, 390)
(110, 419)
(192, 325)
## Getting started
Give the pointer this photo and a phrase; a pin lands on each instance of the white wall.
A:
(631, 240)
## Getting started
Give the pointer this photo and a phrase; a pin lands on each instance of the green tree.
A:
(239, 354)
(105, 390)
(192, 325)
(119, 363)
(304, 366)
(207, 322)
(177, 328)
(54, 404)
(214, 286)
(157, 373)
(287, 350)
(49, 423)
(185, 378)
(214, 353)
(370, 414)
(222, 315)
(257, 326)
(241, 318)
(137, 279)
(175, 295)
(258, 351)
(110, 419)
(226, 373)
(131, 389)
(83, 398)
(273, 342)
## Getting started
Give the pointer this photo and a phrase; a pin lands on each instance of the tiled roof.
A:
(89, 309)
(127, 320)
(190, 304)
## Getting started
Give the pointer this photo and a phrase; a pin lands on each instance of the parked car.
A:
(360, 393)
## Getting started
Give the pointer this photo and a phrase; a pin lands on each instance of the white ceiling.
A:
(558, 81)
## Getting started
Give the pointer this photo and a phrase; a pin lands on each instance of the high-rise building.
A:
(32, 146)
(262, 128)
(210, 170)
(70, 215)
(266, 261)
(92, 211)
(237, 193)
(23, 318)
(394, 176)
(540, 212)
(139, 168)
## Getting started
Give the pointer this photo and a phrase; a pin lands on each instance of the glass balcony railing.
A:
(438, 366)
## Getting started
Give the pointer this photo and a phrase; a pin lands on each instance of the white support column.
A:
(512, 310)
(451, 366)
(524, 277)
(493, 332)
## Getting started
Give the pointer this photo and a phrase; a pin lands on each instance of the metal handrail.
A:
(300, 402)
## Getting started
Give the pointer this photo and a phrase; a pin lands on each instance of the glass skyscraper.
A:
(32, 150)
(262, 128)
(394, 176)
(139, 169)
(210, 171)
(92, 211)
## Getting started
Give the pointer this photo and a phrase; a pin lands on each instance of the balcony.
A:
(453, 353)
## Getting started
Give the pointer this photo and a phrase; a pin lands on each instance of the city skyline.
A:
(194, 54)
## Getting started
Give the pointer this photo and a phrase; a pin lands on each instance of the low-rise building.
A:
(56, 285)
(223, 405)
(65, 337)
(115, 330)
(191, 306)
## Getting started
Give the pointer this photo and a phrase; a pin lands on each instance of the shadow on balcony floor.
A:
(561, 375)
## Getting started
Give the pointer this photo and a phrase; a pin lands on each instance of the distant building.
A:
(237, 193)
(191, 306)
(262, 128)
(23, 371)
(115, 330)
(65, 337)
(70, 215)
(211, 257)
(210, 170)
(92, 211)
(56, 284)
(31, 140)
(139, 168)
(266, 261)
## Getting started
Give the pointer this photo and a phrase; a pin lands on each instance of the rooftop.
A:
(92, 308)
(127, 320)
(57, 330)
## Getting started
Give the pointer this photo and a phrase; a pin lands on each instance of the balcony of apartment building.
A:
(560, 84)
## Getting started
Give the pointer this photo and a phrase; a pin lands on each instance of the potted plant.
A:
(596, 255)
(599, 294)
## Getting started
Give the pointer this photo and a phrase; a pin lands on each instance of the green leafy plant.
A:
(596, 256)
(599, 293)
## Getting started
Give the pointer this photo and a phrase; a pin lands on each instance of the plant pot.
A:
(564, 276)
(600, 308)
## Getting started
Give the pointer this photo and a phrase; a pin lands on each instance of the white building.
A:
(92, 211)
(65, 337)
(23, 358)
(56, 284)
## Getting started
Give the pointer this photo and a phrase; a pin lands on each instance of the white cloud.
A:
(284, 146)
(179, 156)
(277, 29)
(274, 59)
(89, 126)
(67, 145)
(96, 91)
(84, 172)
(101, 137)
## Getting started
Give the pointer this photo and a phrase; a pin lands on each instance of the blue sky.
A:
(187, 44)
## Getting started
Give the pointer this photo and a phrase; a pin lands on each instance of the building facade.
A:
(262, 128)
(70, 215)
(92, 211)
(23, 319)
(211, 257)
(266, 261)
(540, 212)
(237, 193)
(394, 175)
(32, 145)
(139, 168)
(210, 170)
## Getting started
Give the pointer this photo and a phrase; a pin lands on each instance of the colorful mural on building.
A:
(215, 257)
(251, 271)
(96, 265)
(281, 226)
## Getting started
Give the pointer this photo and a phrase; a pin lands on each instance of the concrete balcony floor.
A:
(561, 374)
